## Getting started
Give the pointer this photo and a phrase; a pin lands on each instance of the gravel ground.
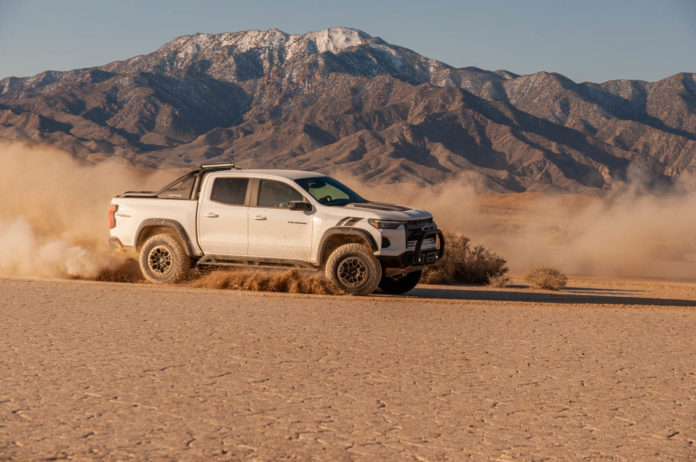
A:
(602, 370)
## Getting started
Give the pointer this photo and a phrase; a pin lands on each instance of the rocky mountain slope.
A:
(341, 99)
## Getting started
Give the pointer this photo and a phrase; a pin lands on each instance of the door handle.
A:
(212, 215)
(259, 217)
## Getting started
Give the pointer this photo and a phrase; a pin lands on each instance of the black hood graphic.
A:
(379, 206)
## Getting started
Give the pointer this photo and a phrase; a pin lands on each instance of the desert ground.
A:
(602, 370)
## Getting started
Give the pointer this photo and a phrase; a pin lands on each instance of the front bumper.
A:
(419, 256)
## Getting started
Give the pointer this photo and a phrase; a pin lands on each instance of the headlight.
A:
(384, 224)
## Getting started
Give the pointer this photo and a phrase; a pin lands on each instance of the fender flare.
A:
(166, 223)
(343, 231)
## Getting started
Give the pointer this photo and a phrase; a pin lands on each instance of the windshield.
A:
(328, 191)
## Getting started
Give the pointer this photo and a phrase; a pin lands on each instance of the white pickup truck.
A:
(219, 215)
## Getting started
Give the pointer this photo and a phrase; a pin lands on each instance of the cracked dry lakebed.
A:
(103, 371)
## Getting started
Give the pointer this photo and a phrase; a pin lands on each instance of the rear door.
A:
(222, 217)
(276, 231)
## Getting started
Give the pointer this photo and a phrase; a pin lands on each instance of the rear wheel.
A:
(400, 285)
(163, 259)
(354, 268)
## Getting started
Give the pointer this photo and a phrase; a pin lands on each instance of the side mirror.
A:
(300, 205)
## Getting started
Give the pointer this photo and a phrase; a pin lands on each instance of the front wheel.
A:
(163, 259)
(400, 285)
(353, 268)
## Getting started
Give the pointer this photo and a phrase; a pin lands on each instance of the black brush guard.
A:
(424, 258)
(418, 256)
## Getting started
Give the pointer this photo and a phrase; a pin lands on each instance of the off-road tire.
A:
(354, 269)
(400, 285)
(163, 259)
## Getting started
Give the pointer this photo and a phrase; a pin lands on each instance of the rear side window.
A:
(180, 189)
(277, 194)
(231, 191)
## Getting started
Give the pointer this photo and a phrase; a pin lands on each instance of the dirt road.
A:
(131, 371)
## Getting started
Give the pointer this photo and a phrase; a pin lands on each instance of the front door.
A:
(276, 231)
(222, 218)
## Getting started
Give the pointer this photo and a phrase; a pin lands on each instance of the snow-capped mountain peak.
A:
(226, 55)
(333, 40)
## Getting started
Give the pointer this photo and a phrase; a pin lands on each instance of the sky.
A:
(585, 40)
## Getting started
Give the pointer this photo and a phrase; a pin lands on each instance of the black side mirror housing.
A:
(300, 205)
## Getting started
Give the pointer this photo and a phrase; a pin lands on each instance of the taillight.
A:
(112, 218)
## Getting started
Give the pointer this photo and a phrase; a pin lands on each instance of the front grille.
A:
(415, 228)
(418, 223)
(426, 243)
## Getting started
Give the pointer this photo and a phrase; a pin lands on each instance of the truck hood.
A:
(385, 211)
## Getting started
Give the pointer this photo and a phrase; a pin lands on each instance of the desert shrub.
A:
(464, 263)
(500, 281)
(545, 277)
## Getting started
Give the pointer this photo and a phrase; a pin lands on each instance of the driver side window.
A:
(276, 194)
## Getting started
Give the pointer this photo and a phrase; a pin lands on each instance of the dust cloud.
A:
(292, 281)
(53, 213)
(627, 233)
(24, 254)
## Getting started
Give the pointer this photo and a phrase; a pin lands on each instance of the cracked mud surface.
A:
(128, 371)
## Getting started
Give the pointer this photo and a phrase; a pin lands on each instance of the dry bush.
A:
(463, 263)
(292, 281)
(500, 281)
(546, 277)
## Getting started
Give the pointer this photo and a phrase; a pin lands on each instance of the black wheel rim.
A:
(159, 260)
(352, 272)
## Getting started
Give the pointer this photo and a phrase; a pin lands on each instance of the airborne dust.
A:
(53, 224)
(53, 215)
(629, 232)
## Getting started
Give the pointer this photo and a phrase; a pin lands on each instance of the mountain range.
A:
(340, 99)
